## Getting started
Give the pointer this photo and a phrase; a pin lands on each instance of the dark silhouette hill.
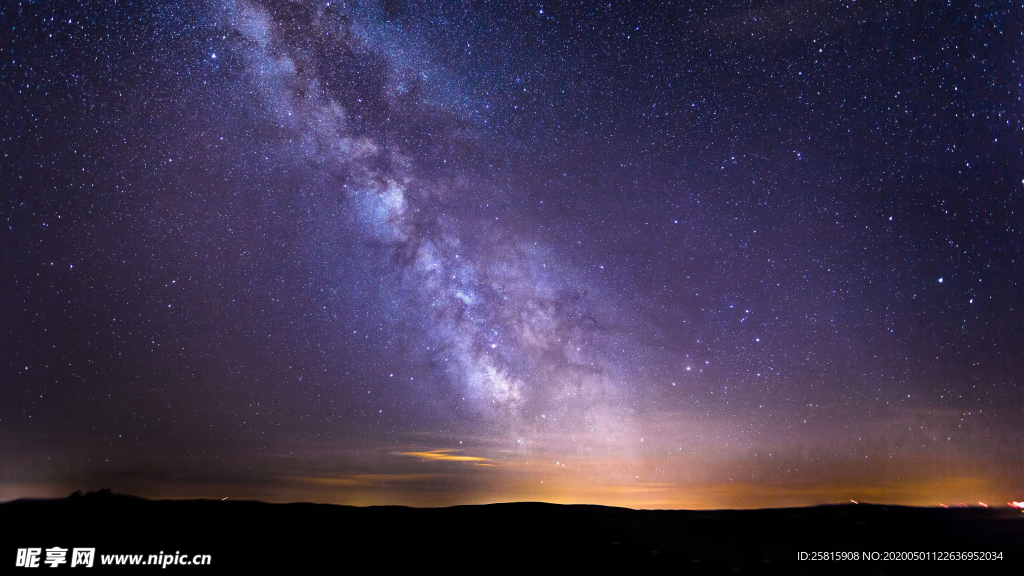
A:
(301, 538)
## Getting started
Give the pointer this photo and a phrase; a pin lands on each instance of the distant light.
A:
(983, 504)
(1016, 504)
(940, 280)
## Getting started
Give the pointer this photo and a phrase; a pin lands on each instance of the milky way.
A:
(727, 254)
(507, 327)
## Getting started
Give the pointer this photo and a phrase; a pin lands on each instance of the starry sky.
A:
(721, 254)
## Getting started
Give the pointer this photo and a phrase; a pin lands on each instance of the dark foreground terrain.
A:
(241, 536)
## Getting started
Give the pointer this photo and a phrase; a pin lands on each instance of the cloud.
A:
(450, 456)
(356, 480)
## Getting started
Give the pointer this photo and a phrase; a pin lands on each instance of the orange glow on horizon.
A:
(423, 476)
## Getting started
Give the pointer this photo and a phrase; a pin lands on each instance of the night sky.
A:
(723, 254)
